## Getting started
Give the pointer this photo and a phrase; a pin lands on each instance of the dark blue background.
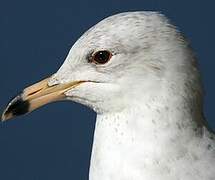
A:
(55, 141)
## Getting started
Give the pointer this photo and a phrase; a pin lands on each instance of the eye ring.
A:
(101, 57)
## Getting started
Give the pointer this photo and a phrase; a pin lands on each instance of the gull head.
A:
(123, 61)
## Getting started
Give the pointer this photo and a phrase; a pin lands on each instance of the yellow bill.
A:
(36, 96)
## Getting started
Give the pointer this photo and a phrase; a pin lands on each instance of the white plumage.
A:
(148, 99)
(150, 124)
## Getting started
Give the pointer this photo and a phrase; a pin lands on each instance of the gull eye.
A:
(101, 57)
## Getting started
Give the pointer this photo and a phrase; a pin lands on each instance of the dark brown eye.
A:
(101, 57)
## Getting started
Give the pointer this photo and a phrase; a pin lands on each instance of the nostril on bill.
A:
(34, 92)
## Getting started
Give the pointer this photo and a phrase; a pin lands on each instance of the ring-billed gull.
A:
(140, 75)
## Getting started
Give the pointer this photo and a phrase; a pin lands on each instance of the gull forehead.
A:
(123, 30)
